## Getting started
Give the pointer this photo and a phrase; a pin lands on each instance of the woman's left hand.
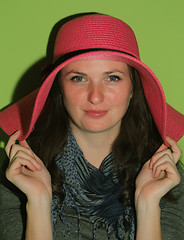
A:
(159, 174)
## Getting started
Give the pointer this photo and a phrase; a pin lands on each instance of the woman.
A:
(96, 162)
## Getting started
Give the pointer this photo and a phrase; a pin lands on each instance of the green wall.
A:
(26, 25)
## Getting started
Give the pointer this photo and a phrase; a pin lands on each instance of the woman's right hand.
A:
(26, 171)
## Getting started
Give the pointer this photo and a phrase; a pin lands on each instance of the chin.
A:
(100, 129)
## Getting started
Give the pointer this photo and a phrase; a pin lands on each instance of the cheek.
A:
(122, 96)
(72, 98)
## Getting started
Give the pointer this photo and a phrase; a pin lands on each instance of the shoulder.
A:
(172, 212)
(178, 191)
(10, 196)
(13, 212)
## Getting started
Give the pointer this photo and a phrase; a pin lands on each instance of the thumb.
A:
(24, 143)
(162, 147)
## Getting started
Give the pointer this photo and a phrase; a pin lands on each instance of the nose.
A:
(95, 94)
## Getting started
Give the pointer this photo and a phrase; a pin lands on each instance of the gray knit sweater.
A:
(13, 216)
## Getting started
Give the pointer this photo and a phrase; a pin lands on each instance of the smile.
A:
(96, 113)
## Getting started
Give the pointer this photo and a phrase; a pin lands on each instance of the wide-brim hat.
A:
(90, 37)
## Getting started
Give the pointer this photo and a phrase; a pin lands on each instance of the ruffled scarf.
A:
(93, 193)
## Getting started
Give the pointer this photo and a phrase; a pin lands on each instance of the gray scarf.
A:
(93, 193)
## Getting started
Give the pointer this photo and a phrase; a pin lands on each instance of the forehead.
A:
(96, 65)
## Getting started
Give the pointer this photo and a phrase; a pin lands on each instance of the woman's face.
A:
(96, 94)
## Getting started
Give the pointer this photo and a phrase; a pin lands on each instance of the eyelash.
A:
(74, 78)
(115, 77)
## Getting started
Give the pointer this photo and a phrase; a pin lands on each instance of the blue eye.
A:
(77, 79)
(113, 78)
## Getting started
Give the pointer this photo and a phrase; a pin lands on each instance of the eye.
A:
(114, 78)
(77, 79)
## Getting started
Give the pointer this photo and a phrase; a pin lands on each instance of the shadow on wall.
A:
(3, 159)
(32, 79)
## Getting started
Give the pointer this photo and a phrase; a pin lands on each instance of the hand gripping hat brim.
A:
(103, 37)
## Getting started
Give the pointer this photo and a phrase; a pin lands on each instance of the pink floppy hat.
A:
(90, 37)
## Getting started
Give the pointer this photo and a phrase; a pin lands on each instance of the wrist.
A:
(39, 224)
(146, 209)
(44, 195)
(147, 206)
(148, 220)
(39, 202)
(146, 200)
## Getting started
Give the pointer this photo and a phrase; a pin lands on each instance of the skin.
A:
(96, 94)
(96, 85)
(158, 175)
(28, 173)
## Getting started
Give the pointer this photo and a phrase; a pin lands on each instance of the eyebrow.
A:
(114, 71)
(105, 73)
(75, 72)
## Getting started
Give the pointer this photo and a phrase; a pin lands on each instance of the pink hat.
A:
(83, 38)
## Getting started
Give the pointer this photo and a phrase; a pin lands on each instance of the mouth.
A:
(96, 113)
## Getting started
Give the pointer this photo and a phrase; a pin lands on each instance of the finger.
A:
(163, 159)
(171, 173)
(169, 179)
(175, 148)
(159, 155)
(16, 165)
(11, 141)
(162, 147)
(25, 144)
(23, 154)
(17, 147)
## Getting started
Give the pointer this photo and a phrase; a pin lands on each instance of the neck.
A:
(95, 145)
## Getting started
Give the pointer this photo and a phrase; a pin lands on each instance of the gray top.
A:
(13, 216)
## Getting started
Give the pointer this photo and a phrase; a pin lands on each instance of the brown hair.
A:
(136, 143)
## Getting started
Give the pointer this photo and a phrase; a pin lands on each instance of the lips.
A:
(96, 113)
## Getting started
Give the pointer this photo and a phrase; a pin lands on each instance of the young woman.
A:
(88, 151)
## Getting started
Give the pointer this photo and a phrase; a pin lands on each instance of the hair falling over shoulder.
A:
(50, 134)
(137, 141)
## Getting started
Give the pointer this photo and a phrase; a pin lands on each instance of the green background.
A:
(25, 27)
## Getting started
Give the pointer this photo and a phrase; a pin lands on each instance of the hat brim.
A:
(24, 114)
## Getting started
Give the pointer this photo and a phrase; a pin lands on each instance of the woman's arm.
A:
(148, 220)
(27, 172)
(39, 219)
(157, 177)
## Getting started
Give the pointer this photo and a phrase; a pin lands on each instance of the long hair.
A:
(137, 141)
(50, 134)
(138, 138)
